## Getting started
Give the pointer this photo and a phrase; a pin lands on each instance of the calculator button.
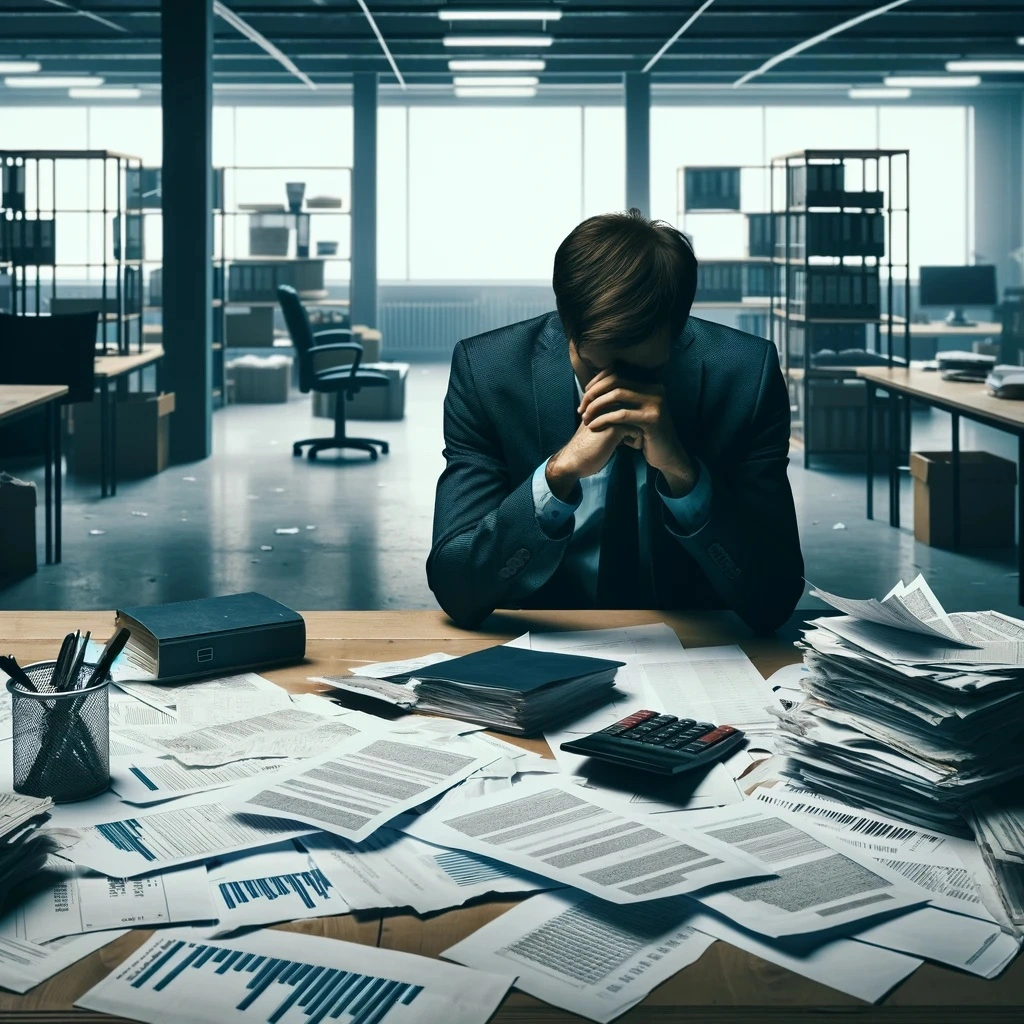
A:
(686, 722)
(705, 726)
(721, 733)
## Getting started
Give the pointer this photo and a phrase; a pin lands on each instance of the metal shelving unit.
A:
(33, 223)
(740, 283)
(837, 215)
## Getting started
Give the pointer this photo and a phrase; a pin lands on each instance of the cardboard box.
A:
(249, 326)
(259, 379)
(987, 506)
(371, 403)
(17, 528)
(143, 436)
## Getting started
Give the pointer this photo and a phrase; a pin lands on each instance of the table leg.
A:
(894, 459)
(104, 435)
(955, 425)
(49, 485)
(869, 441)
(58, 469)
(113, 446)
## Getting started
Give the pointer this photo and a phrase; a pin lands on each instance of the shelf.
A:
(758, 306)
(327, 210)
(311, 298)
(286, 259)
(801, 318)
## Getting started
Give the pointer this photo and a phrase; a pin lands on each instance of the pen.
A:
(10, 665)
(114, 647)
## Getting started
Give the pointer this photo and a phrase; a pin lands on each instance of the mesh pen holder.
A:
(61, 740)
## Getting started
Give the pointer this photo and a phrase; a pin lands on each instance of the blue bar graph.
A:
(468, 869)
(318, 993)
(126, 835)
(309, 886)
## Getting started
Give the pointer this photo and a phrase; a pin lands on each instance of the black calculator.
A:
(663, 744)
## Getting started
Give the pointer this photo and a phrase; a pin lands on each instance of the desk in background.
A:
(111, 370)
(947, 336)
(958, 398)
(19, 400)
(726, 985)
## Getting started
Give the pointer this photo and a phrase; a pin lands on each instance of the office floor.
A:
(364, 528)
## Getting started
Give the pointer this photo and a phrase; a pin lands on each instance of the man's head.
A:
(624, 286)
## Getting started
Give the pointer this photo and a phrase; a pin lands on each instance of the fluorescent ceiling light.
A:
(533, 14)
(525, 42)
(468, 92)
(104, 94)
(986, 65)
(879, 94)
(496, 65)
(494, 81)
(19, 67)
(932, 81)
(53, 82)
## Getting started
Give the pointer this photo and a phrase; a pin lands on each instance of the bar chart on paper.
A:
(286, 978)
(310, 888)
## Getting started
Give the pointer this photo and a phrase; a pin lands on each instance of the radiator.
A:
(422, 330)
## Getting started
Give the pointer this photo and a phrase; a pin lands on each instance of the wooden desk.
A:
(958, 398)
(109, 370)
(19, 400)
(726, 985)
(940, 329)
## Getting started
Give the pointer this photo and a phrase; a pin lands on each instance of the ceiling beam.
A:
(243, 27)
(383, 45)
(675, 36)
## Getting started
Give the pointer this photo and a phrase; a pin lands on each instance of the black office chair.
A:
(341, 381)
(57, 349)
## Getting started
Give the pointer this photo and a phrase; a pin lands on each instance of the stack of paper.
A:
(23, 850)
(909, 710)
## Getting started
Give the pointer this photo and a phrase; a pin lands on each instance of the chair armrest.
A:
(332, 332)
(340, 346)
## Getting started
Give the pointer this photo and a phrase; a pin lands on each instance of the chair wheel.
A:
(373, 455)
(384, 447)
(311, 454)
(297, 450)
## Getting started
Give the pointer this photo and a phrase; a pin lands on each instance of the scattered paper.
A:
(142, 780)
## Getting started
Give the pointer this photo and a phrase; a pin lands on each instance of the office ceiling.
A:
(595, 41)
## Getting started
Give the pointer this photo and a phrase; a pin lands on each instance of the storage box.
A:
(143, 436)
(249, 326)
(259, 379)
(838, 416)
(17, 528)
(372, 403)
(987, 507)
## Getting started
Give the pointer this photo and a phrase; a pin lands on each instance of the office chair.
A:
(341, 381)
(58, 349)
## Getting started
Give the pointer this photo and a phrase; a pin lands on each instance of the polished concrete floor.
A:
(364, 528)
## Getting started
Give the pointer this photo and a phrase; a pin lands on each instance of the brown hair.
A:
(620, 277)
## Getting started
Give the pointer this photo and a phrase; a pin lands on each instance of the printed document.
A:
(391, 869)
(278, 883)
(157, 839)
(211, 700)
(25, 964)
(817, 885)
(288, 978)
(578, 837)
(583, 954)
(79, 903)
(150, 780)
(366, 783)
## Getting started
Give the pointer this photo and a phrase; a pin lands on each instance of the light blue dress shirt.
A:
(586, 503)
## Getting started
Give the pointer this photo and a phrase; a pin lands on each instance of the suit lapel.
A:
(554, 388)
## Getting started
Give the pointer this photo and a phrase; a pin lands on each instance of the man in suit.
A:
(618, 453)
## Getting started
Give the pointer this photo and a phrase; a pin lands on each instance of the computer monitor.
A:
(957, 287)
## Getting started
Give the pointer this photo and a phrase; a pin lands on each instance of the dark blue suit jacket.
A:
(511, 404)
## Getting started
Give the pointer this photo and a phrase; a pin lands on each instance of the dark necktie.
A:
(619, 571)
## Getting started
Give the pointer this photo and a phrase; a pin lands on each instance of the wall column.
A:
(638, 141)
(363, 291)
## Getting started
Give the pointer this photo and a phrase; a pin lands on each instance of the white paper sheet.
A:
(856, 968)
(177, 979)
(391, 869)
(979, 947)
(193, 829)
(577, 837)
(210, 701)
(279, 883)
(583, 954)
(25, 964)
(78, 903)
(819, 885)
(386, 669)
(151, 780)
(129, 712)
(366, 782)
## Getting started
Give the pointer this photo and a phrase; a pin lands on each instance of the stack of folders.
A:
(23, 850)
(514, 689)
(909, 710)
(997, 819)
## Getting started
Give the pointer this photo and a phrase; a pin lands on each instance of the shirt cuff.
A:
(692, 511)
(553, 514)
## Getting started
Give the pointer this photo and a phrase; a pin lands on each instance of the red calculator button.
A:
(713, 737)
